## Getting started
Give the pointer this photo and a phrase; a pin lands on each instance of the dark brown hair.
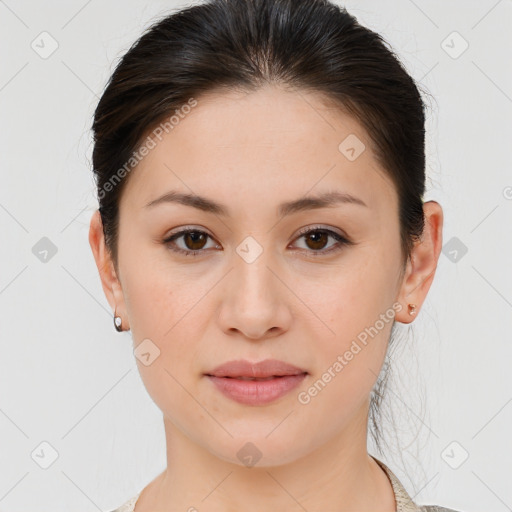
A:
(309, 45)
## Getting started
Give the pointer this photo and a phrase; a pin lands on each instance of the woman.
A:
(260, 169)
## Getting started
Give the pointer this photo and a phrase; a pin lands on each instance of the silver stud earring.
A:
(412, 309)
(118, 322)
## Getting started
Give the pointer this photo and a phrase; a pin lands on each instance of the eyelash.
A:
(341, 241)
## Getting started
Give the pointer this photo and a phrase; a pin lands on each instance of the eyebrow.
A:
(325, 200)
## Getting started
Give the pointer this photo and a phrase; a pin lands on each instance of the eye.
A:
(193, 239)
(317, 237)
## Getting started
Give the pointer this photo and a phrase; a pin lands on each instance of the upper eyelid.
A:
(305, 230)
(302, 231)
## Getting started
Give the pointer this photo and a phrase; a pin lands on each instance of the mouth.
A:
(245, 370)
(252, 378)
(256, 383)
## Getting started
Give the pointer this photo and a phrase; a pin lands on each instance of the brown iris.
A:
(319, 239)
(197, 240)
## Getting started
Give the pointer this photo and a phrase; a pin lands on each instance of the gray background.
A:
(70, 389)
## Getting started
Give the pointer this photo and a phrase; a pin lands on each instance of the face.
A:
(248, 282)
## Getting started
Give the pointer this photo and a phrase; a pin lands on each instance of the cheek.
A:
(161, 309)
(350, 361)
(156, 295)
(357, 307)
(355, 296)
(167, 307)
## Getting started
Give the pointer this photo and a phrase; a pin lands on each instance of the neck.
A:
(339, 475)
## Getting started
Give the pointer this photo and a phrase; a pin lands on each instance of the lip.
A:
(260, 369)
(231, 379)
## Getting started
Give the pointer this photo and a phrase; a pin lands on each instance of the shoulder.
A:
(435, 508)
(403, 500)
(128, 506)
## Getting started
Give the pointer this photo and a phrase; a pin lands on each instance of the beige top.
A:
(404, 502)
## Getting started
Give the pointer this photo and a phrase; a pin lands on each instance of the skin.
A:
(250, 152)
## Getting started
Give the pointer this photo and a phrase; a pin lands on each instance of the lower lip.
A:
(257, 392)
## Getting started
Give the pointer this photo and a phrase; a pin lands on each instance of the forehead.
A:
(271, 144)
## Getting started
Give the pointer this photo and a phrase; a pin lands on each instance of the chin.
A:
(258, 450)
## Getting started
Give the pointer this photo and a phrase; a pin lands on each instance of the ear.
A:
(422, 264)
(109, 279)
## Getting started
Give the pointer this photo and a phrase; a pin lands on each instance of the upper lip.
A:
(260, 369)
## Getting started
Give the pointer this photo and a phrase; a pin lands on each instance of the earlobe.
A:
(422, 264)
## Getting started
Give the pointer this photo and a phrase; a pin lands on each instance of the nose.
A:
(254, 300)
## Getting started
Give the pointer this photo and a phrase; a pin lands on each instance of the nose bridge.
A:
(253, 300)
(253, 278)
